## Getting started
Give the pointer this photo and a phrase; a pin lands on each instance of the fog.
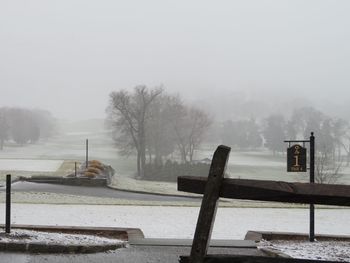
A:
(67, 56)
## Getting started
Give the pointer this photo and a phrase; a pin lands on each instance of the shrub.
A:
(94, 170)
(89, 174)
(171, 170)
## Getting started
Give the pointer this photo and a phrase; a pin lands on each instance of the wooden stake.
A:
(208, 209)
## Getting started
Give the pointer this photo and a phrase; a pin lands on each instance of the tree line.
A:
(155, 124)
(24, 126)
(332, 133)
(332, 138)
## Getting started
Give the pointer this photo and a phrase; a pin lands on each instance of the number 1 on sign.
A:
(296, 157)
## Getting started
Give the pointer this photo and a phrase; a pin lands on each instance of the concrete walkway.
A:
(134, 254)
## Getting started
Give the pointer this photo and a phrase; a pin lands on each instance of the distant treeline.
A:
(332, 134)
(24, 126)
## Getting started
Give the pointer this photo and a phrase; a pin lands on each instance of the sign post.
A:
(87, 152)
(312, 180)
(8, 204)
(296, 162)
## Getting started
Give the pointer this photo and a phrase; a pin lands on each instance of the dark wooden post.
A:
(8, 204)
(75, 169)
(208, 208)
(312, 180)
(87, 152)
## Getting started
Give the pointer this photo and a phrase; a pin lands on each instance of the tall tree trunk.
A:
(183, 154)
(138, 163)
(158, 161)
(142, 161)
(142, 143)
(191, 152)
(149, 156)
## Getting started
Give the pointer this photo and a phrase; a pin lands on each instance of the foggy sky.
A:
(67, 56)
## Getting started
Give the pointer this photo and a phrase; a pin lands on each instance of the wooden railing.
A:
(215, 186)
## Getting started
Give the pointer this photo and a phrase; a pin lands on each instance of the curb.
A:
(124, 234)
(61, 180)
(197, 198)
(266, 235)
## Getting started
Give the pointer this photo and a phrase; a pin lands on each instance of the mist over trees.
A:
(162, 128)
(24, 126)
(244, 134)
(331, 133)
(155, 125)
(332, 137)
(4, 128)
(275, 133)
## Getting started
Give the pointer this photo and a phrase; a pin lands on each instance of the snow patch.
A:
(30, 236)
(324, 250)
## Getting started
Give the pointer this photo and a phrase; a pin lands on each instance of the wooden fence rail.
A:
(216, 186)
(302, 193)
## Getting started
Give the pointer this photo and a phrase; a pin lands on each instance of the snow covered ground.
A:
(180, 222)
(324, 250)
(30, 165)
(29, 236)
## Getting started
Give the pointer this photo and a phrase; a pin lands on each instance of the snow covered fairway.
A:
(180, 222)
(30, 165)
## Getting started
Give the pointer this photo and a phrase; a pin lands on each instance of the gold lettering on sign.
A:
(296, 158)
(297, 147)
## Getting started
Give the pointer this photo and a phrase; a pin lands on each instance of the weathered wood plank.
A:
(263, 190)
(208, 208)
(251, 259)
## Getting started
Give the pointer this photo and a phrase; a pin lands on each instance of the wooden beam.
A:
(251, 259)
(208, 209)
(262, 190)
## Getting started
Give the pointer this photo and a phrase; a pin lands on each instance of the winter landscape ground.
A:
(156, 219)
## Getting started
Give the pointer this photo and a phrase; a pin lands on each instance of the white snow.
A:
(180, 222)
(245, 158)
(30, 165)
(29, 236)
(323, 250)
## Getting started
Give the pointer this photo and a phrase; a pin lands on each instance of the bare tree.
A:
(199, 122)
(274, 133)
(24, 125)
(128, 113)
(190, 126)
(327, 171)
(345, 143)
(160, 135)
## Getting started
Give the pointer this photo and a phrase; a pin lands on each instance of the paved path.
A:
(134, 254)
(91, 191)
